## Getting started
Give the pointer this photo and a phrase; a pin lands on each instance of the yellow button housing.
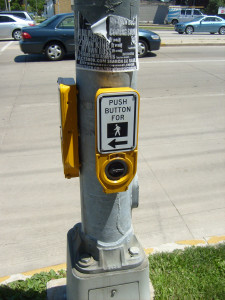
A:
(116, 169)
(69, 127)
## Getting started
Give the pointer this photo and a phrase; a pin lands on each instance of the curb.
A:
(169, 247)
(28, 274)
(181, 245)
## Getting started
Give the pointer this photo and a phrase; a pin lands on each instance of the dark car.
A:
(148, 41)
(55, 38)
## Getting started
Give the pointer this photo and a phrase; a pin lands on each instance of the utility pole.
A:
(104, 258)
(6, 5)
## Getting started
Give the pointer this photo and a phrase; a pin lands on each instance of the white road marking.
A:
(38, 104)
(6, 46)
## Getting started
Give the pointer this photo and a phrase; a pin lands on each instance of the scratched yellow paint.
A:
(46, 269)
(216, 239)
(4, 278)
(191, 242)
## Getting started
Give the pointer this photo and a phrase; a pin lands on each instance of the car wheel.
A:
(189, 30)
(222, 30)
(54, 51)
(174, 22)
(142, 48)
(212, 32)
(17, 34)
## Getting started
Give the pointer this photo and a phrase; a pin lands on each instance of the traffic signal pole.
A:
(104, 258)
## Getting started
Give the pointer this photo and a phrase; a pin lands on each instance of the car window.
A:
(48, 21)
(67, 23)
(188, 12)
(197, 12)
(4, 19)
(20, 15)
(182, 12)
(31, 16)
(207, 19)
(217, 20)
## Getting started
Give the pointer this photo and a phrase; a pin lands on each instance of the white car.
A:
(10, 26)
(17, 13)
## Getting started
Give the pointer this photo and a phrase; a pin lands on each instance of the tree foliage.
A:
(192, 2)
(2, 5)
(32, 5)
(212, 7)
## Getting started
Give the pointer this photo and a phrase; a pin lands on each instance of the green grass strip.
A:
(33, 288)
(193, 273)
(152, 28)
(196, 273)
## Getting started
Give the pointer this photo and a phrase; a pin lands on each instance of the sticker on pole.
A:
(109, 45)
(117, 118)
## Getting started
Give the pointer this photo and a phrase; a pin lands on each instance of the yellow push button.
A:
(116, 130)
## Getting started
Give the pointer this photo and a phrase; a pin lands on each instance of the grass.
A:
(156, 27)
(39, 19)
(196, 273)
(33, 288)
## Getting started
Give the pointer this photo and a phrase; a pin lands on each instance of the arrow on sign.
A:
(114, 143)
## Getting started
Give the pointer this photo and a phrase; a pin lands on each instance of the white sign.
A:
(117, 115)
(221, 10)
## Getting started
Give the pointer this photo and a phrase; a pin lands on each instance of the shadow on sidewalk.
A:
(26, 58)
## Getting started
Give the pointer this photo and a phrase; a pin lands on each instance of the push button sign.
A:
(117, 121)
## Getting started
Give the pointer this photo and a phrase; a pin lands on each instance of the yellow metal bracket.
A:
(69, 127)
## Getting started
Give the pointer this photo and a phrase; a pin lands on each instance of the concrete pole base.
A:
(125, 284)
(120, 285)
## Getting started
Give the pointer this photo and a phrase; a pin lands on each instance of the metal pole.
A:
(104, 256)
(6, 6)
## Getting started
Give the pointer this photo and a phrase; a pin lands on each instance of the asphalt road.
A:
(181, 164)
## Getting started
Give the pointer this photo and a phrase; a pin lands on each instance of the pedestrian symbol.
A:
(117, 129)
